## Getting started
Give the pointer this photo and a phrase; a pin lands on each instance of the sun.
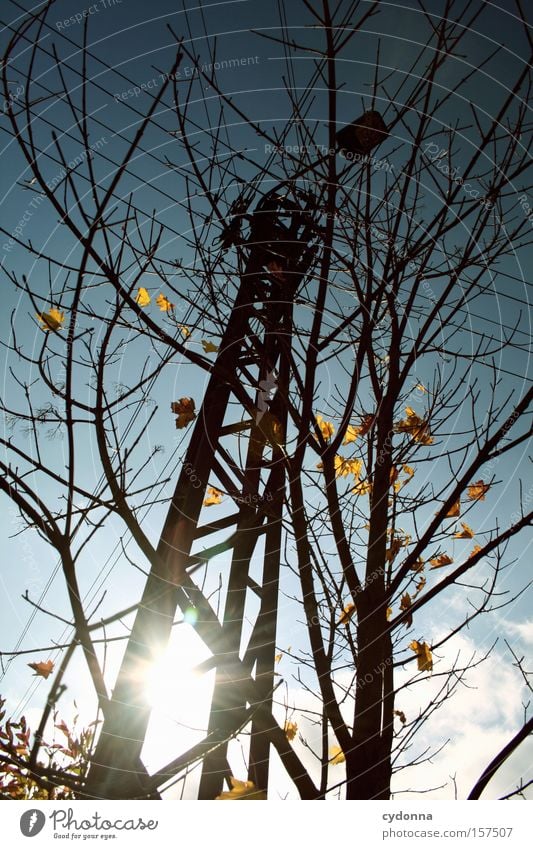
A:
(179, 694)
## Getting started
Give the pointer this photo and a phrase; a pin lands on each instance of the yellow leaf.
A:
(346, 614)
(351, 434)
(405, 604)
(401, 716)
(423, 655)
(466, 533)
(291, 729)
(208, 347)
(242, 791)
(455, 510)
(477, 490)
(51, 320)
(278, 657)
(214, 496)
(184, 408)
(389, 613)
(326, 428)
(163, 303)
(353, 431)
(184, 330)
(421, 387)
(336, 756)
(43, 668)
(142, 297)
(415, 426)
(271, 428)
(345, 467)
(474, 551)
(441, 560)
(362, 488)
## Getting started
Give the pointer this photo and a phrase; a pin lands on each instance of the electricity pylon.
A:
(277, 258)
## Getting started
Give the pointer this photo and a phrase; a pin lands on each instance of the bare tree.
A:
(351, 416)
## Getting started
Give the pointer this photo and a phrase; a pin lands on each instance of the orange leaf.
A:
(477, 490)
(163, 303)
(42, 668)
(466, 533)
(185, 411)
(214, 496)
(454, 511)
(441, 560)
(415, 426)
(346, 614)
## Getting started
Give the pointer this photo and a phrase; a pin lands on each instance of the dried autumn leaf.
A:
(362, 488)
(336, 756)
(418, 565)
(345, 467)
(163, 303)
(423, 655)
(401, 716)
(420, 584)
(271, 428)
(454, 511)
(278, 657)
(366, 423)
(477, 490)
(142, 297)
(242, 791)
(185, 331)
(475, 550)
(326, 428)
(466, 533)
(184, 408)
(346, 614)
(415, 426)
(420, 387)
(42, 668)
(291, 729)
(441, 560)
(214, 496)
(352, 432)
(209, 347)
(51, 320)
(389, 613)
(405, 604)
